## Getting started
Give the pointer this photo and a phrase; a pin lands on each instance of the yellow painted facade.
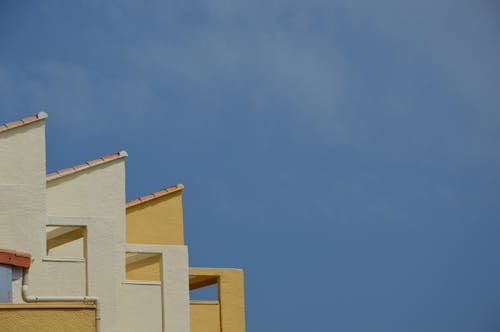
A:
(156, 221)
(231, 297)
(47, 317)
(159, 221)
(205, 316)
(129, 264)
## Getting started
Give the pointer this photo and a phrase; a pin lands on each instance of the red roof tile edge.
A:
(88, 164)
(24, 121)
(15, 258)
(156, 194)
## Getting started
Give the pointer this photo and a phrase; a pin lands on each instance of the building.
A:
(75, 256)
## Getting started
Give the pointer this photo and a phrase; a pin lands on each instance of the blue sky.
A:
(345, 153)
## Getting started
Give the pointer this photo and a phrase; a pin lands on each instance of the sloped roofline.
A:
(24, 121)
(156, 194)
(86, 165)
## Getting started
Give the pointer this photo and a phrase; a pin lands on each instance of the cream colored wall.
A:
(58, 278)
(141, 308)
(91, 276)
(175, 287)
(158, 221)
(23, 219)
(47, 317)
(94, 198)
(23, 155)
(22, 187)
(22, 194)
(95, 192)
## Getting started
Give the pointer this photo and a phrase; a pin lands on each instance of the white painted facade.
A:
(92, 198)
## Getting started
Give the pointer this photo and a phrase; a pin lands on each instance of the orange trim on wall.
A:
(15, 258)
(88, 164)
(156, 194)
(23, 121)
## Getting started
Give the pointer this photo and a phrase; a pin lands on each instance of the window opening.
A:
(66, 241)
(203, 288)
(143, 266)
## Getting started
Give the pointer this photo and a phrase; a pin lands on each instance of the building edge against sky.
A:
(93, 260)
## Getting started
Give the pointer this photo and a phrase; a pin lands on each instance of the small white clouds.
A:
(344, 73)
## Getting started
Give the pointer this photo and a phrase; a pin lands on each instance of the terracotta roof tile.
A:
(15, 258)
(96, 161)
(156, 194)
(23, 121)
(91, 163)
(79, 167)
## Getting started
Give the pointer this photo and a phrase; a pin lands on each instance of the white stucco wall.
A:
(98, 191)
(22, 193)
(22, 187)
(141, 307)
(22, 151)
(175, 287)
(95, 198)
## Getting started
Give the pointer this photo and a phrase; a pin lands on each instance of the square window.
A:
(203, 288)
(66, 241)
(143, 266)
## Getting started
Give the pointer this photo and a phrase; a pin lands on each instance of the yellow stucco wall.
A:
(158, 221)
(231, 297)
(205, 316)
(47, 317)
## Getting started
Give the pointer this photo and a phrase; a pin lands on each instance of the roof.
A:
(86, 165)
(156, 194)
(23, 121)
(15, 258)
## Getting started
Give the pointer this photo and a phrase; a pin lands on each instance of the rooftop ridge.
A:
(24, 121)
(153, 195)
(86, 165)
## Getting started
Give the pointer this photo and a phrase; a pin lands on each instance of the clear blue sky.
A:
(345, 153)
